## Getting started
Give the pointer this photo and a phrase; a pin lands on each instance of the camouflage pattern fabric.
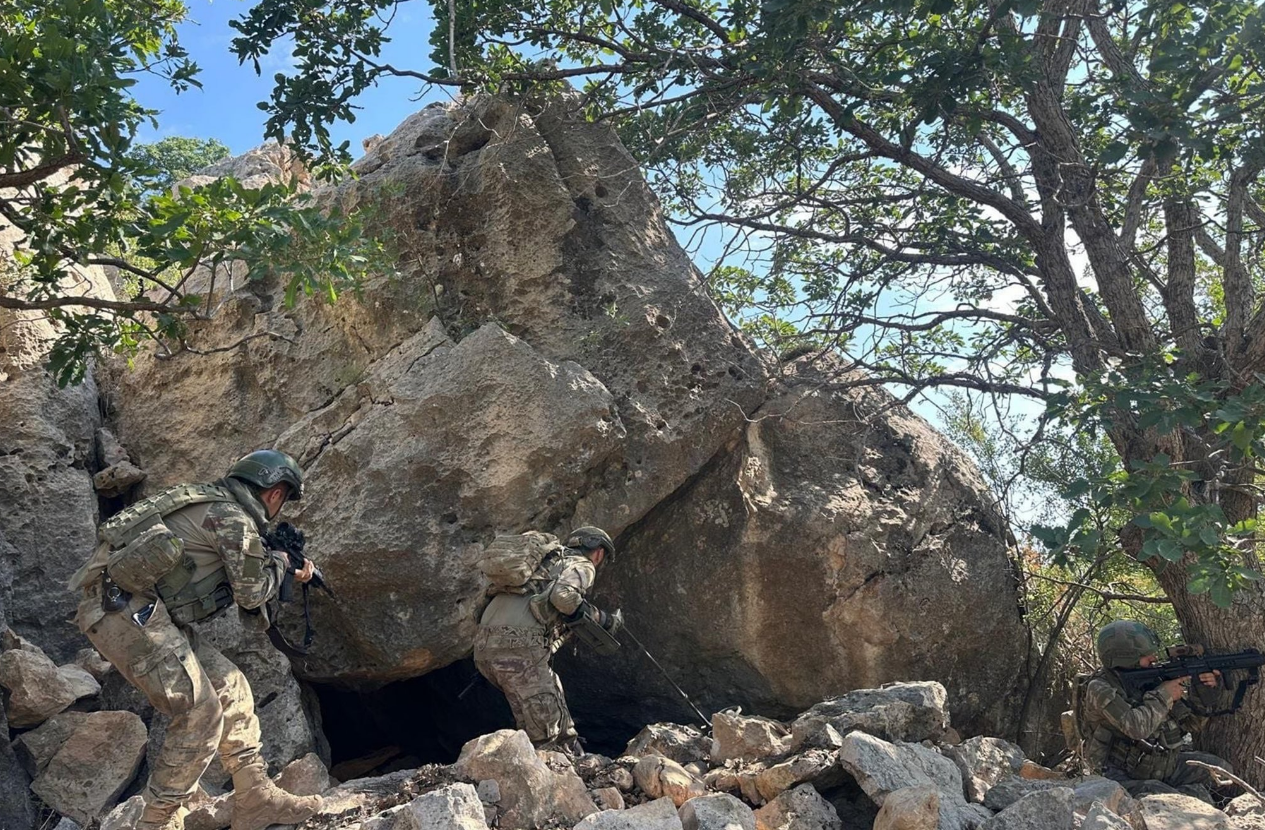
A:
(1139, 744)
(515, 644)
(1121, 644)
(207, 698)
(533, 689)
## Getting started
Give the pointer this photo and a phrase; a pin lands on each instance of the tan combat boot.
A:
(156, 818)
(257, 802)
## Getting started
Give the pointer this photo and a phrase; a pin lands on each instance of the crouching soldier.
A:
(1140, 741)
(539, 592)
(181, 557)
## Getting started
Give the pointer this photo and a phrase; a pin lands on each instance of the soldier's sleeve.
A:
(254, 572)
(1136, 722)
(571, 586)
(1186, 716)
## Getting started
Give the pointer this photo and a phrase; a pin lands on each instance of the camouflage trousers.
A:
(207, 697)
(520, 668)
(1168, 774)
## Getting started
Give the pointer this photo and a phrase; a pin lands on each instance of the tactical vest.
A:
(146, 558)
(1101, 744)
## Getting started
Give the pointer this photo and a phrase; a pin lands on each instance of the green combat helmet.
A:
(265, 468)
(589, 537)
(1123, 643)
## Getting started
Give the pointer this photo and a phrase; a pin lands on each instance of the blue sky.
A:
(225, 108)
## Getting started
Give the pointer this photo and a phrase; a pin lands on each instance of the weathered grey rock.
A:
(305, 776)
(1181, 812)
(1052, 809)
(983, 762)
(530, 791)
(117, 479)
(683, 744)
(660, 777)
(896, 712)
(1085, 791)
(93, 663)
(455, 807)
(799, 809)
(125, 816)
(1245, 805)
(94, 766)
(1100, 818)
(48, 520)
(881, 767)
(653, 815)
(926, 808)
(37, 691)
(10, 639)
(819, 767)
(37, 747)
(489, 791)
(741, 737)
(608, 798)
(81, 681)
(67, 824)
(109, 450)
(717, 811)
(16, 809)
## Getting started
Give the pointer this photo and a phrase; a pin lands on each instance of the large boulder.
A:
(546, 357)
(802, 808)
(926, 808)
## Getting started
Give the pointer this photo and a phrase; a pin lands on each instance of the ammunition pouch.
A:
(154, 554)
(193, 602)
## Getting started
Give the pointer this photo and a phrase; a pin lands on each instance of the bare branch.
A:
(697, 16)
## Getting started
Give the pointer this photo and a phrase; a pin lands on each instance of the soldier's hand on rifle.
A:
(1176, 689)
(305, 573)
(614, 621)
(1211, 678)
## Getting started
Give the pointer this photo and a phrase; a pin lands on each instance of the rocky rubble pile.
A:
(885, 759)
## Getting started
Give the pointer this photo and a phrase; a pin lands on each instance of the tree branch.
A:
(22, 178)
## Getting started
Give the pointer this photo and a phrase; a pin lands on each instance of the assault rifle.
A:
(288, 539)
(1190, 661)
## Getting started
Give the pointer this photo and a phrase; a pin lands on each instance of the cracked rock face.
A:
(545, 357)
(821, 552)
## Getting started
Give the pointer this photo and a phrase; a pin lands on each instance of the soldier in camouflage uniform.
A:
(1138, 742)
(147, 636)
(519, 633)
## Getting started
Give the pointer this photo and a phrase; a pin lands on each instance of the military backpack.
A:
(516, 563)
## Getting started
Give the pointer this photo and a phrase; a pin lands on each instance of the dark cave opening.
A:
(427, 719)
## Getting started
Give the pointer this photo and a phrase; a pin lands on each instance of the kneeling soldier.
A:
(1138, 741)
(180, 557)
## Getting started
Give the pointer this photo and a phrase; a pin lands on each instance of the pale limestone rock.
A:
(125, 816)
(530, 791)
(741, 737)
(717, 811)
(984, 761)
(802, 808)
(93, 663)
(37, 691)
(1181, 812)
(117, 479)
(91, 770)
(881, 767)
(896, 712)
(683, 744)
(608, 798)
(660, 777)
(1052, 809)
(927, 808)
(1101, 818)
(455, 807)
(81, 681)
(659, 814)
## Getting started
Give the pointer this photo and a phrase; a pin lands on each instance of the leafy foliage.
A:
(82, 192)
(175, 158)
